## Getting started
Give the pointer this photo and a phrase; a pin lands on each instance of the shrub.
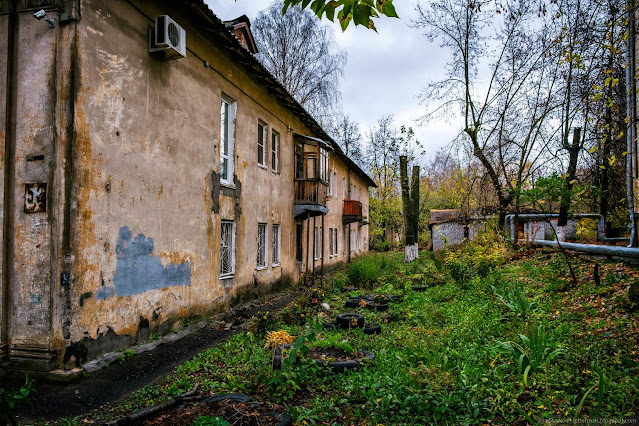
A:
(363, 271)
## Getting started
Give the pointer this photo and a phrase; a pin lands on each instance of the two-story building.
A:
(153, 171)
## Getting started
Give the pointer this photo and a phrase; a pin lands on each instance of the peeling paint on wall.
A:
(137, 271)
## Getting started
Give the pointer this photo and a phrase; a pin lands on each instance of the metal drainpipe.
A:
(631, 113)
(593, 248)
(509, 223)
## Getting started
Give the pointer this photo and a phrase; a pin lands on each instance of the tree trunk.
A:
(414, 199)
(406, 203)
(566, 198)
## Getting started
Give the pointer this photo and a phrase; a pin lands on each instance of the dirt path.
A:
(54, 401)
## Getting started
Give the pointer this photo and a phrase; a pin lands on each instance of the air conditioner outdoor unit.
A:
(167, 40)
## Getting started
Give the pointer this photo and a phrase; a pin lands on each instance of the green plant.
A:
(600, 386)
(210, 421)
(263, 323)
(125, 356)
(11, 398)
(363, 271)
(534, 352)
(516, 300)
(296, 368)
(75, 421)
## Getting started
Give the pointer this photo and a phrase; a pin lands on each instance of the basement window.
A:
(227, 249)
(261, 245)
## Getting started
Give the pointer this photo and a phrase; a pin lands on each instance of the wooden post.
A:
(349, 243)
(308, 235)
(322, 254)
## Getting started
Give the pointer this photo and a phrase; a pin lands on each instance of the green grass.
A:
(518, 344)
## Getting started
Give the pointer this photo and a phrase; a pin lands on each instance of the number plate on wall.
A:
(35, 197)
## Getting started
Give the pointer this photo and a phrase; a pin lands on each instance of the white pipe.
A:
(593, 248)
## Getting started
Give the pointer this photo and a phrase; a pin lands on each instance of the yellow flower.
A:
(275, 338)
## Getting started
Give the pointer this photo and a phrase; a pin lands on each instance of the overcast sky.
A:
(386, 71)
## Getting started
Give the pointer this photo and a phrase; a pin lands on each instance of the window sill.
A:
(227, 276)
(262, 166)
(227, 185)
(276, 265)
(275, 172)
(260, 268)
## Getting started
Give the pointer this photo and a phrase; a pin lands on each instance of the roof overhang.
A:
(308, 209)
(327, 145)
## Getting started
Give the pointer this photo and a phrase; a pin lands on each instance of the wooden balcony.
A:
(352, 211)
(310, 191)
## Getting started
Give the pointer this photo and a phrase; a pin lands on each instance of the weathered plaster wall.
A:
(447, 234)
(30, 315)
(335, 206)
(128, 148)
(149, 205)
(4, 38)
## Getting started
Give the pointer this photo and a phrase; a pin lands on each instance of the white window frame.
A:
(335, 242)
(276, 244)
(330, 184)
(345, 193)
(227, 134)
(263, 132)
(231, 248)
(344, 245)
(330, 242)
(262, 253)
(275, 151)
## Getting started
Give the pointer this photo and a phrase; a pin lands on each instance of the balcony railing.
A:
(310, 191)
(352, 211)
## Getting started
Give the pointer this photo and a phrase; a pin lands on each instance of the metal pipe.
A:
(631, 113)
(593, 248)
(509, 222)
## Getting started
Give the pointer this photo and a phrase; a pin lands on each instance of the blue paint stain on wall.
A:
(104, 292)
(138, 271)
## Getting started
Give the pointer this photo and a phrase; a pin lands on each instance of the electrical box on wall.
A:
(167, 40)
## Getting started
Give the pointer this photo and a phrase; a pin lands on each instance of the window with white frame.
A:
(330, 242)
(353, 240)
(335, 242)
(359, 239)
(330, 184)
(344, 194)
(334, 183)
(227, 140)
(344, 241)
(316, 245)
(323, 166)
(227, 249)
(275, 151)
(261, 142)
(277, 239)
(261, 245)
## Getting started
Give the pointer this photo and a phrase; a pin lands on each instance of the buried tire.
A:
(343, 366)
(373, 329)
(350, 320)
(353, 302)
(380, 306)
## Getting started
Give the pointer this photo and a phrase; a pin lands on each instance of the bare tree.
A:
(302, 54)
(346, 133)
(507, 106)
